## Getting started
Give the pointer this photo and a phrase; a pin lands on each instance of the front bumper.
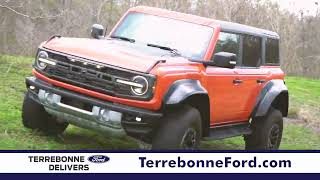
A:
(88, 112)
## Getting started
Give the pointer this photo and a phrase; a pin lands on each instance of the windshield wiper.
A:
(172, 50)
(124, 38)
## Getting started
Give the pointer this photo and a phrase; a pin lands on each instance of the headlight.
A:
(139, 85)
(43, 60)
(143, 88)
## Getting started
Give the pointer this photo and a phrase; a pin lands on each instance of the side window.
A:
(272, 51)
(228, 42)
(252, 51)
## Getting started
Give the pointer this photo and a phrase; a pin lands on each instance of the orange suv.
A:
(165, 78)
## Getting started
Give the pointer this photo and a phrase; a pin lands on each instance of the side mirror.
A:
(225, 60)
(97, 31)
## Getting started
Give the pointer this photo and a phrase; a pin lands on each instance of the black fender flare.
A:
(268, 95)
(182, 89)
(189, 91)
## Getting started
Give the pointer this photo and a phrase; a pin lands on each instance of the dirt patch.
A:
(313, 126)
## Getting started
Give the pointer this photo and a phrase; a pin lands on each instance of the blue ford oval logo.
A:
(98, 159)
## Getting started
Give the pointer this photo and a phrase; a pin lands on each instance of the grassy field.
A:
(304, 104)
(305, 100)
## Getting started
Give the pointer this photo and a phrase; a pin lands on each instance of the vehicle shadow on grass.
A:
(76, 138)
(226, 144)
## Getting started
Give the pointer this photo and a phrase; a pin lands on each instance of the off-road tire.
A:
(34, 116)
(266, 132)
(180, 129)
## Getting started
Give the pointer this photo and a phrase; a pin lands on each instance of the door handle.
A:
(261, 81)
(237, 81)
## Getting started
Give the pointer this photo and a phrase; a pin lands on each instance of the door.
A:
(253, 80)
(224, 88)
(224, 85)
(253, 77)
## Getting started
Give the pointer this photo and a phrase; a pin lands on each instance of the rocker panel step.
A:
(228, 131)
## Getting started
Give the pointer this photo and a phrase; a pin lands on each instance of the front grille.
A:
(90, 75)
(83, 77)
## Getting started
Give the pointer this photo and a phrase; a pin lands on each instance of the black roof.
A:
(244, 29)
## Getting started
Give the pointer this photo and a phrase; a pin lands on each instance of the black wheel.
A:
(180, 129)
(267, 132)
(34, 116)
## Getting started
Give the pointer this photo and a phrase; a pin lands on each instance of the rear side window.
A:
(272, 51)
(252, 51)
(228, 42)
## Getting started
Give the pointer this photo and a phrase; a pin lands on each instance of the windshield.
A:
(191, 40)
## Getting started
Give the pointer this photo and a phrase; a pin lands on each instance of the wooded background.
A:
(26, 23)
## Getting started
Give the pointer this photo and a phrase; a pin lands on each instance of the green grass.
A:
(13, 135)
(304, 99)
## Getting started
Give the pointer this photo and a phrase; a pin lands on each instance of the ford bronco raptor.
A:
(165, 78)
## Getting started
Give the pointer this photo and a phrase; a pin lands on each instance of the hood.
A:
(137, 57)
